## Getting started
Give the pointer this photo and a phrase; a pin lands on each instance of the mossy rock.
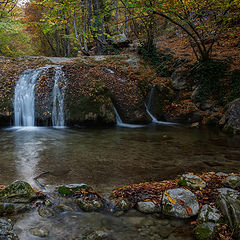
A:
(205, 231)
(88, 205)
(70, 189)
(18, 192)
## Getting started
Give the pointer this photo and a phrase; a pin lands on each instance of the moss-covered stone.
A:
(70, 189)
(205, 231)
(17, 192)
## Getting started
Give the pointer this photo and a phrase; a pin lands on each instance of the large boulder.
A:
(231, 117)
(228, 202)
(179, 202)
(18, 192)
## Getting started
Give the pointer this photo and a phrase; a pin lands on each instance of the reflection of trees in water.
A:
(37, 150)
(27, 147)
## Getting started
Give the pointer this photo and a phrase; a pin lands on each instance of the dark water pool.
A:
(105, 158)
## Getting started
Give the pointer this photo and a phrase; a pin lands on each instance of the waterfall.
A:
(24, 98)
(148, 107)
(120, 123)
(58, 119)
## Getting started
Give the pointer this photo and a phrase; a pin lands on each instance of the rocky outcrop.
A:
(231, 118)
(229, 203)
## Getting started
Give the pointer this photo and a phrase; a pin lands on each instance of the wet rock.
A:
(64, 208)
(121, 205)
(180, 203)
(165, 231)
(228, 202)
(39, 232)
(98, 235)
(88, 205)
(231, 118)
(12, 208)
(205, 231)
(164, 222)
(47, 203)
(148, 207)
(70, 189)
(192, 181)
(209, 214)
(17, 192)
(232, 182)
(45, 212)
(135, 220)
(221, 174)
(6, 230)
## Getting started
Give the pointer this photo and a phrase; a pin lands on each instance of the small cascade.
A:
(120, 123)
(58, 119)
(24, 97)
(148, 107)
(24, 110)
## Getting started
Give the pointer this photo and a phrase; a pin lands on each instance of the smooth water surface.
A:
(105, 158)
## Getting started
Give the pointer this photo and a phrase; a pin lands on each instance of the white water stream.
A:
(24, 97)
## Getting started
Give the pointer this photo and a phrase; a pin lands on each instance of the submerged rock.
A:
(64, 208)
(6, 230)
(98, 235)
(88, 205)
(208, 214)
(229, 203)
(12, 208)
(232, 182)
(39, 232)
(45, 212)
(148, 207)
(18, 192)
(180, 203)
(192, 181)
(205, 231)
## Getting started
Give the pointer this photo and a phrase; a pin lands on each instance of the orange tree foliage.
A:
(204, 21)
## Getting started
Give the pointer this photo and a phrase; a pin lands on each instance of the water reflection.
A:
(27, 148)
(107, 157)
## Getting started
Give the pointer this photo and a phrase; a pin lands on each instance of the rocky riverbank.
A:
(205, 206)
(96, 84)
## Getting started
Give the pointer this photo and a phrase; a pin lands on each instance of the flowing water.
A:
(58, 98)
(24, 110)
(24, 97)
(148, 110)
(106, 159)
